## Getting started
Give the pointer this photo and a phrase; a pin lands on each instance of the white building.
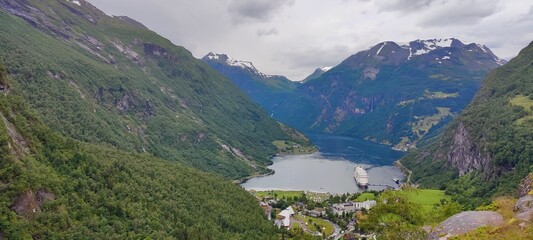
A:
(284, 217)
(350, 207)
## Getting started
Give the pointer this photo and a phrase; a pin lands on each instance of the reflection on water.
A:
(331, 169)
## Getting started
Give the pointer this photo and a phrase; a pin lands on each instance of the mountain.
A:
(488, 150)
(55, 187)
(392, 93)
(266, 90)
(317, 73)
(111, 81)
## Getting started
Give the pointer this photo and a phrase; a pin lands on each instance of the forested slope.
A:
(488, 150)
(110, 80)
(54, 187)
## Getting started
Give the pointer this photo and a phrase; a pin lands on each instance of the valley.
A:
(115, 129)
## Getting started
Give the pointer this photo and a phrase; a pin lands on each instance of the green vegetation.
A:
(365, 196)
(278, 194)
(489, 135)
(316, 224)
(106, 80)
(103, 193)
(439, 95)
(291, 195)
(426, 198)
(290, 147)
(526, 103)
(401, 214)
(423, 124)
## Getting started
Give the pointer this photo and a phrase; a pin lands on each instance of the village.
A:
(319, 214)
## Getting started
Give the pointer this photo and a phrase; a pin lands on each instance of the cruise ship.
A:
(361, 177)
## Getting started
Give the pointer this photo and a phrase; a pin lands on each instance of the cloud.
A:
(293, 38)
(455, 12)
(406, 5)
(256, 10)
(267, 32)
(317, 56)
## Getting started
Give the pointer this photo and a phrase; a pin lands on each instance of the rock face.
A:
(465, 222)
(525, 186)
(29, 203)
(464, 154)
(524, 208)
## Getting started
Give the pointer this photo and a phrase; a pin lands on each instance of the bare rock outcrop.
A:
(29, 203)
(524, 208)
(464, 154)
(464, 222)
(525, 186)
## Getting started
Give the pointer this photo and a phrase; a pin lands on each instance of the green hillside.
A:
(52, 187)
(488, 150)
(111, 81)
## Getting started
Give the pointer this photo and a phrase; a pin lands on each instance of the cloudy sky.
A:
(293, 37)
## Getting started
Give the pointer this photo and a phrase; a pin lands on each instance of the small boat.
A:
(396, 180)
(360, 176)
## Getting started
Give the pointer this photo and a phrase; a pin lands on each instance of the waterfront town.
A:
(318, 214)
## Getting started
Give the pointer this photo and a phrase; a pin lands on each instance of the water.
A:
(331, 169)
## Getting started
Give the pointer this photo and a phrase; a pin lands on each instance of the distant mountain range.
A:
(266, 90)
(392, 93)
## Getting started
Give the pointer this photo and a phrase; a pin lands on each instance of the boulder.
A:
(524, 208)
(464, 222)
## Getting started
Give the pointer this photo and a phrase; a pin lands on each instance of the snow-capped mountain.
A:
(408, 51)
(393, 93)
(267, 90)
(232, 62)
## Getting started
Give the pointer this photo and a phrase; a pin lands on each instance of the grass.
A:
(425, 123)
(324, 225)
(527, 104)
(365, 196)
(427, 198)
(279, 194)
(290, 147)
(439, 95)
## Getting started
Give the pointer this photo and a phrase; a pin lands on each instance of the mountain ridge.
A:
(390, 93)
(266, 90)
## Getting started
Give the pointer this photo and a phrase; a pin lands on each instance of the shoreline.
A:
(245, 179)
(271, 172)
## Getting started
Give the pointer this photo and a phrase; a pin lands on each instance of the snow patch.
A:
(236, 63)
(482, 47)
(446, 58)
(427, 46)
(77, 2)
(381, 48)
(325, 69)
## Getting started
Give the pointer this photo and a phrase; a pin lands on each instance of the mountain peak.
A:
(420, 47)
(229, 61)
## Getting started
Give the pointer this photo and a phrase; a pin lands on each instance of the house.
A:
(350, 207)
(342, 208)
(284, 218)
(368, 204)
